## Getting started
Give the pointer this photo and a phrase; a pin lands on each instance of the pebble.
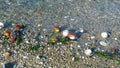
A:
(1, 25)
(26, 41)
(65, 33)
(25, 57)
(103, 43)
(88, 52)
(72, 19)
(71, 36)
(92, 37)
(66, 16)
(38, 57)
(115, 38)
(104, 35)
(81, 30)
(2, 65)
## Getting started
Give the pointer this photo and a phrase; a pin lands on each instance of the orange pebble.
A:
(17, 27)
(72, 36)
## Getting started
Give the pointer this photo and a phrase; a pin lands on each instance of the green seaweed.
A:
(36, 47)
(76, 59)
(18, 40)
(99, 54)
(118, 62)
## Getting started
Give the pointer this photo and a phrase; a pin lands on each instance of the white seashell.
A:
(104, 34)
(65, 33)
(88, 52)
(1, 25)
(103, 43)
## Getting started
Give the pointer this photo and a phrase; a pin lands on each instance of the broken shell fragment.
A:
(7, 33)
(12, 39)
(103, 43)
(104, 35)
(88, 52)
(72, 36)
(56, 29)
(1, 25)
(65, 33)
(7, 54)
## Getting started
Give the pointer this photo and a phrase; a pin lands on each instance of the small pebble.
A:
(25, 57)
(1, 25)
(71, 36)
(38, 57)
(81, 30)
(115, 38)
(66, 16)
(88, 52)
(72, 19)
(104, 35)
(92, 37)
(65, 33)
(2, 65)
(103, 43)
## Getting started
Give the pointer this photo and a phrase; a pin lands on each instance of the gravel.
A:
(87, 18)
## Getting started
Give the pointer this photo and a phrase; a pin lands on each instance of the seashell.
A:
(88, 52)
(65, 33)
(72, 36)
(7, 33)
(7, 54)
(103, 43)
(104, 35)
(12, 38)
(1, 25)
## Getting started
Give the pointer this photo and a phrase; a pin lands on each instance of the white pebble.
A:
(66, 16)
(104, 34)
(25, 57)
(37, 57)
(65, 33)
(79, 46)
(88, 52)
(27, 41)
(3, 65)
(92, 37)
(81, 30)
(73, 58)
(115, 38)
(1, 25)
(72, 19)
(103, 43)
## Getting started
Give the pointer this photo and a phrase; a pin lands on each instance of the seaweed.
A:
(100, 54)
(76, 59)
(36, 47)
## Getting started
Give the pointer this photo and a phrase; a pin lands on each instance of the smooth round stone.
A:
(65, 33)
(88, 52)
(1, 25)
(103, 43)
(104, 34)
